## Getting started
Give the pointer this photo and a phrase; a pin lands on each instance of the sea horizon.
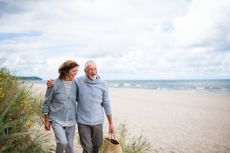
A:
(221, 86)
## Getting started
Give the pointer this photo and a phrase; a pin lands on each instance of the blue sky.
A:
(129, 39)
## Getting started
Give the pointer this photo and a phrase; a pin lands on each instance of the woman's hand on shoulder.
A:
(50, 83)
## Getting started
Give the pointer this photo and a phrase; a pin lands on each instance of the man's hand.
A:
(110, 120)
(50, 83)
(111, 129)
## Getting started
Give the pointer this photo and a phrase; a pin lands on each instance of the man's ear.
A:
(85, 70)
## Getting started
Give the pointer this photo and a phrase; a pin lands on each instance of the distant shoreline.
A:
(26, 78)
(196, 86)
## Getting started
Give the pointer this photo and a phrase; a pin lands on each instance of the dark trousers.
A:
(91, 137)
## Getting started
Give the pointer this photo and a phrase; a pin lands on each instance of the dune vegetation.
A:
(19, 112)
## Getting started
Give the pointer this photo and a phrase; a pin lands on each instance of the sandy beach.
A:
(175, 121)
(172, 121)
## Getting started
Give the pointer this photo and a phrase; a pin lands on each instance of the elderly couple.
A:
(83, 101)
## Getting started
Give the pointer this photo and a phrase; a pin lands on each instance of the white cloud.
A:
(206, 24)
(128, 39)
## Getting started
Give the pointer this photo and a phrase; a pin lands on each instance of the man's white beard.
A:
(93, 77)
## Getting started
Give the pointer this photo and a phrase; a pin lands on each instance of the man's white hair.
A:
(87, 63)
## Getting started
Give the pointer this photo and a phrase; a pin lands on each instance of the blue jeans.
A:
(64, 138)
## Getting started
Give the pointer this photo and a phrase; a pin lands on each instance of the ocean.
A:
(213, 86)
(206, 86)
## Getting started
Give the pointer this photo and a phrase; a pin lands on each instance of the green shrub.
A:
(19, 111)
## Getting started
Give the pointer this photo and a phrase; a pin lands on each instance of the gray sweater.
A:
(93, 100)
(59, 105)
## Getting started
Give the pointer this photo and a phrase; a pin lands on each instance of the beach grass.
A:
(19, 112)
(129, 143)
(133, 144)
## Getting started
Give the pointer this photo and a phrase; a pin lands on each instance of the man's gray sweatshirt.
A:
(93, 101)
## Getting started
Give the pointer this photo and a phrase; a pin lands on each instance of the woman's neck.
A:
(67, 78)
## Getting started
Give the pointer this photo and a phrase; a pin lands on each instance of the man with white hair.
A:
(92, 100)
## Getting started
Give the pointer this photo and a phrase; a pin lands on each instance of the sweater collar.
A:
(92, 81)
